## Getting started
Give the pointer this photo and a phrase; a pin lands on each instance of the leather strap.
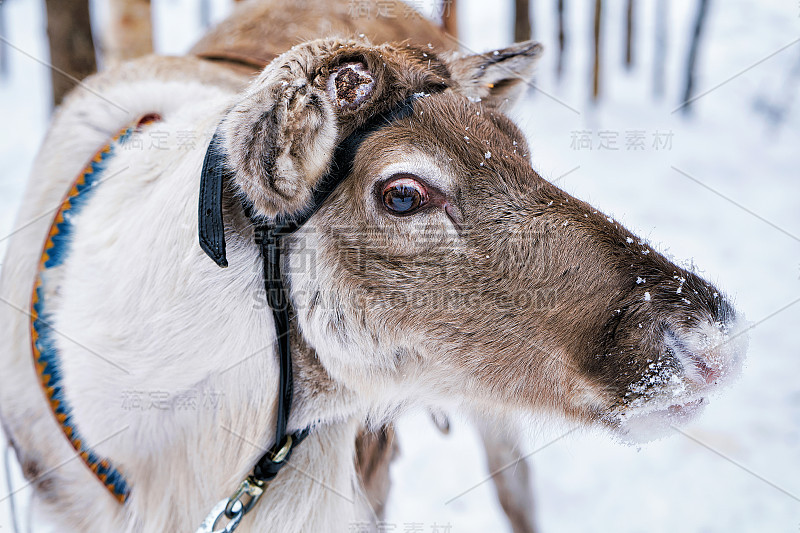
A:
(215, 174)
(343, 157)
(268, 234)
(213, 178)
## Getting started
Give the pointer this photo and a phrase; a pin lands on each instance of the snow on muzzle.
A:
(709, 356)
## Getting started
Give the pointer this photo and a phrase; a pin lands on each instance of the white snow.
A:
(586, 481)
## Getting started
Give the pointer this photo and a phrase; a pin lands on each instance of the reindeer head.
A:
(444, 268)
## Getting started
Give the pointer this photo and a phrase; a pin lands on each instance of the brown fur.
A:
(540, 356)
(516, 237)
(240, 44)
(501, 294)
(577, 349)
(262, 30)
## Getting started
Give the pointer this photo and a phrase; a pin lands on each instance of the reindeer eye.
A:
(404, 195)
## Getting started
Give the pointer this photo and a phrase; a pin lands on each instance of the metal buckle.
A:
(249, 487)
(233, 508)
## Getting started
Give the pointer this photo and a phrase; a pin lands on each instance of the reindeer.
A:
(428, 248)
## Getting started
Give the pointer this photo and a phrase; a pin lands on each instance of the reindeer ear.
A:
(498, 78)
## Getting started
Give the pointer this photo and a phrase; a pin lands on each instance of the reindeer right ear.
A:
(211, 226)
(496, 78)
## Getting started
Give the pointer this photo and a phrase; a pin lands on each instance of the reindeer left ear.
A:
(498, 78)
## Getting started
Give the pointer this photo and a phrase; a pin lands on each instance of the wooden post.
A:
(660, 48)
(598, 8)
(691, 63)
(3, 46)
(129, 33)
(450, 17)
(71, 46)
(629, 35)
(523, 27)
(561, 39)
(205, 13)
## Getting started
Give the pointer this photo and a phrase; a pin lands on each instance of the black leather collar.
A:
(268, 233)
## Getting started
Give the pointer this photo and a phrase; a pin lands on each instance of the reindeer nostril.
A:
(694, 357)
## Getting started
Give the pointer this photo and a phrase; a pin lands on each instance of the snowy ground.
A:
(723, 194)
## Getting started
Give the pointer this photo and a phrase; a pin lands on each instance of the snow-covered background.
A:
(721, 190)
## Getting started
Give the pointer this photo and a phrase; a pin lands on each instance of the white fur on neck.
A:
(126, 316)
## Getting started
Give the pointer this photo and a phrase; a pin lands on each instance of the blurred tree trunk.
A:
(777, 107)
(205, 13)
(71, 46)
(598, 9)
(691, 63)
(629, 35)
(660, 48)
(3, 46)
(523, 27)
(450, 17)
(561, 38)
(130, 31)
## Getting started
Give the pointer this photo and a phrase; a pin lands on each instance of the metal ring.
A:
(217, 513)
(234, 520)
(281, 454)
(249, 487)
